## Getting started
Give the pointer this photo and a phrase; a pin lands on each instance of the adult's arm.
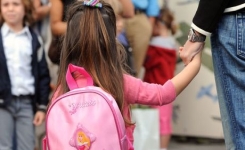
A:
(58, 26)
(208, 15)
(128, 8)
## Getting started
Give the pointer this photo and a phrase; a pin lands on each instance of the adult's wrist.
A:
(199, 34)
(195, 36)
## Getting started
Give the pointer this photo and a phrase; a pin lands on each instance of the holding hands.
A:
(190, 49)
(193, 46)
(191, 56)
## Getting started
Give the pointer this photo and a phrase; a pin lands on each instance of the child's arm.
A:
(39, 118)
(181, 80)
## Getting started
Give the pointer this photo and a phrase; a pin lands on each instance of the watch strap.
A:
(194, 37)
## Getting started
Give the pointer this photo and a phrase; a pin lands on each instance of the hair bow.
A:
(92, 3)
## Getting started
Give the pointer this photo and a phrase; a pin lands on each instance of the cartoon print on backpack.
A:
(82, 138)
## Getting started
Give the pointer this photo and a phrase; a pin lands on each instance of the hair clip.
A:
(92, 3)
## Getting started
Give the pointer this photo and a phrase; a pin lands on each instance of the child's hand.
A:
(197, 57)
(38, 118)
(197, 52)
(189, 50)
(184, 77)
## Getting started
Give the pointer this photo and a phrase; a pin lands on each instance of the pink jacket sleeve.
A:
(137, 91)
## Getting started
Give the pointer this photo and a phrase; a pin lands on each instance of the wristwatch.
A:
(194, 37)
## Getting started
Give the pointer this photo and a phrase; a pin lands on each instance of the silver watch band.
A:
(194, 37)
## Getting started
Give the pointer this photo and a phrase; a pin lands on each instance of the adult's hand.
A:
(189, 50)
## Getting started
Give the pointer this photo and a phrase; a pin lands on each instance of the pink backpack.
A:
(85, 118)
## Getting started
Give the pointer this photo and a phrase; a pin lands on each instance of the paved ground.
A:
(188, 146)
(196, 144)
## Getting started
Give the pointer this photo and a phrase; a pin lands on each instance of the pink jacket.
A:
(138, 92)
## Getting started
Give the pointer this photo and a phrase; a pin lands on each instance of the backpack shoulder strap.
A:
(85, 78)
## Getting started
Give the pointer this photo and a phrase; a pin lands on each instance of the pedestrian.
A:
(224, 19)
(24, 83)
(139, 30)
(90, 42)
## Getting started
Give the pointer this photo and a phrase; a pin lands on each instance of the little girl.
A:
(160, 66)
(24, 82)
(90, 42)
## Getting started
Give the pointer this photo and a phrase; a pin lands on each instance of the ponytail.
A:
(90, 42)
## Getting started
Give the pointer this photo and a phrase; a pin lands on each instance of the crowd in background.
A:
(145, 28)
(143, 34)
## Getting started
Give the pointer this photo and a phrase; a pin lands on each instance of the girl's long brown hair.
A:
(90, 42)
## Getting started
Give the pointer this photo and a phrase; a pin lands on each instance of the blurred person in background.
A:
(225, 20)
(160, 66)
(121, 35)
(59, 25)
(41, 14)
(24, 83)
(139, 29)
(42, 27)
